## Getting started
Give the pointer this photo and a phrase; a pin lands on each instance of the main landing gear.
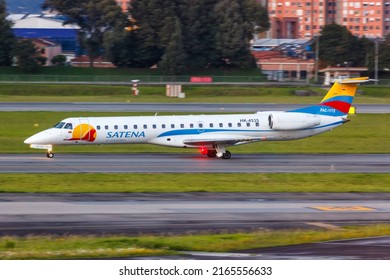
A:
(211, 153)
(226, 155)
(214, 153)
(49, 154)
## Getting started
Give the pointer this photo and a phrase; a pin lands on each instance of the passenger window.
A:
(257, 124)
(191, 125)
(230, 125)
(163, 126)
(248, 124)
(200, 125)
(115, 127)
(145, 126)
(172, 126)
(239, 124)
(98, 127)
(125, 127)
(211, 125)
(220, 124)
(68, 126)
(106, 127)
(182, 125)
(135, 126)
(154, 126)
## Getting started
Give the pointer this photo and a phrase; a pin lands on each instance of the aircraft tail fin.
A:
(341, 94)
(338, 100)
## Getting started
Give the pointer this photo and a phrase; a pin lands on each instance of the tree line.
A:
(339, 47)
(175, 35)
(178, 36)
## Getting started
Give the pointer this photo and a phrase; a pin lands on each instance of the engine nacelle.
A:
(292, 121)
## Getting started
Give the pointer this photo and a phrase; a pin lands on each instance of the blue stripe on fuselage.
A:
(200, 131)
(178, 132)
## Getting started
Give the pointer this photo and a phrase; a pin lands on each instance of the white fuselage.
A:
(181, 131)
(210, 133)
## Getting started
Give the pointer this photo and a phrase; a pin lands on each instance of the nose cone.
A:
(29, 140)
(35, 139)
(42, 137)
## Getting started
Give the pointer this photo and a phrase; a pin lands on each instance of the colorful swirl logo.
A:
(84, 132)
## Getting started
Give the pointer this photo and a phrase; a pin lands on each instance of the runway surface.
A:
(175, 213)
(184, 212)
(167, 107)
(194, 163)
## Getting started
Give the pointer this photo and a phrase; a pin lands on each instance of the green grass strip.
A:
(118, 183)
(71, 247)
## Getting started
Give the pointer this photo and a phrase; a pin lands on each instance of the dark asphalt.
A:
(194, 163)
(189, 213)
(161, 213)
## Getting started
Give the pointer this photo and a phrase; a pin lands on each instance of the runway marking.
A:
(326, 226)
(341, 208)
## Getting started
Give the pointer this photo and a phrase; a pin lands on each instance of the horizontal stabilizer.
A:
(355, 80)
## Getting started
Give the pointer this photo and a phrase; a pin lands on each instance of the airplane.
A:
(211, 134)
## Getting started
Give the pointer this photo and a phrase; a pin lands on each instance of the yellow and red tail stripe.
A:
(340, 96)
(338, 100)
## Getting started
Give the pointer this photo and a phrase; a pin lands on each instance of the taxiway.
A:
(177, 213)
(133, 213)
(194, 163)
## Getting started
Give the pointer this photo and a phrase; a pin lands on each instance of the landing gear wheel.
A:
(49, 155)
(227, 155)
(211, 153)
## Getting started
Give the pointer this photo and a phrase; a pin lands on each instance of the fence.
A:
(143, 79)
(121, 79)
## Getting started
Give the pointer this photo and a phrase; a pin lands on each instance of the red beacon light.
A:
(203, 151)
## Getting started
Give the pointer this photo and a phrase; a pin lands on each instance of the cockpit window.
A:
(59, 125)
(68, 126)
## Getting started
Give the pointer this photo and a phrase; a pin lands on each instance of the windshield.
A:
(59, 125)
(68, 126)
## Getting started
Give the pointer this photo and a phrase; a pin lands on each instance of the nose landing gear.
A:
(50, 153)
(49, 149)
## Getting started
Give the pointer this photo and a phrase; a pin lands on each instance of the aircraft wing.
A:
(221, 140)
